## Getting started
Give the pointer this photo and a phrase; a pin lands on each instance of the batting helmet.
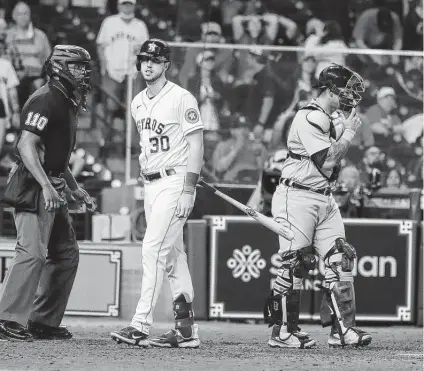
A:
(343, 82)
(156, 49)
(58, 65)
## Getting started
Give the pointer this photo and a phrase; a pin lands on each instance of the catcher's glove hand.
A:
(335, 174)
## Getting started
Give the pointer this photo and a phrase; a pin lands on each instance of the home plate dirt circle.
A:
(225, 346)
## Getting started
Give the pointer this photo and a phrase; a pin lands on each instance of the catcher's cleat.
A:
(353, 336)
(297, 339)
(174, 339)
(44, 332)
(10, 330)
(131, 336)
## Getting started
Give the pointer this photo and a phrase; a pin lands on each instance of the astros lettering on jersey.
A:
(163, 122)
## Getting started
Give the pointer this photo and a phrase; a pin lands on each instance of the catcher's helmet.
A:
(156, 49)
(343, 82)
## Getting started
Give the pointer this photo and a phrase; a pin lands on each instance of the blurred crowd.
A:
(247, 95)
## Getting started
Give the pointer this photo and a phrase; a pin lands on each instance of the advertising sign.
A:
(96, 289)
(244, 264)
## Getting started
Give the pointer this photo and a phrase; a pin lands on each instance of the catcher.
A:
(317, 142)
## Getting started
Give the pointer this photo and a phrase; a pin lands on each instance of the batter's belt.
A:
(160, 174)
(289, 183)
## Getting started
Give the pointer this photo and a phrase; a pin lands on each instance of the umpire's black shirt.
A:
(52, 114)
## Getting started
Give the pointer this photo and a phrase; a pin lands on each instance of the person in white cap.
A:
(120, 38)
(211, 33)
(385, 123)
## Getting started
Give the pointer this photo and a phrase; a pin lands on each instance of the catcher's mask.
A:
(343, 82)
(72, 64)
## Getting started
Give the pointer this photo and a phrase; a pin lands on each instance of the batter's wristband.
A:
(190, 182)
(349, 134)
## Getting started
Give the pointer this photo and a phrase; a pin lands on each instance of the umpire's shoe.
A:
(353, 336)
(283, 339)
(44, 332)
(174, 339)
(130, 335)
(10, 330)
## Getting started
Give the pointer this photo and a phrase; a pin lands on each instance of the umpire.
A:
(36, 289)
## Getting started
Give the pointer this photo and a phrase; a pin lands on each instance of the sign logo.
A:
(192, 116)
(246, 263)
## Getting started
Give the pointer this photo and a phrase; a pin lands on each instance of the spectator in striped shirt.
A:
(31, 47)
(9, 107)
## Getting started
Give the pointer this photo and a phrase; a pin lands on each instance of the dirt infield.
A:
(225, 346)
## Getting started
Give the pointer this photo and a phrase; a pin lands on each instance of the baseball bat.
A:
(281, 229)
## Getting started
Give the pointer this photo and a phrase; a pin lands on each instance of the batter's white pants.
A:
(162, 249)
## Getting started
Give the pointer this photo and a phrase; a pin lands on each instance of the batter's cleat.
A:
(131, 336)
(10, 330)
(297, 339)
(353, 336)
(44, 332)
(174, 339)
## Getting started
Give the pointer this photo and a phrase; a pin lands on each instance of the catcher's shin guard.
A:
(338, 309)
(338, 305)
(273, 311)
(343, 296)
(292, 304)
(283, 306)
(283, 310)
(184, 316)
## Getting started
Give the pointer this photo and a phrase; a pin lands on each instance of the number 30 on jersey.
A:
(159, 144)
(36, 120)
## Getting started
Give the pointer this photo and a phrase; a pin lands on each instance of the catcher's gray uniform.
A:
(304, 199)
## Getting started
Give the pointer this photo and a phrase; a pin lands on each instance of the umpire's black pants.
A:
(46, 257)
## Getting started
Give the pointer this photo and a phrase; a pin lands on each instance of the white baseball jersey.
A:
(8, 80)
(122, 41)
(163, 122)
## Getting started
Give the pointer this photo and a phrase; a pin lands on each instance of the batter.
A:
(317, 142)
(171, 140)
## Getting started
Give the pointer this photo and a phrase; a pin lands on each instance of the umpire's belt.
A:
(160, 174)
(52, 173)
(55, 174)
(289, 183)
